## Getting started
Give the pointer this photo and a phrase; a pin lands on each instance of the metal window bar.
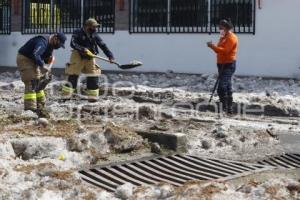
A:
(103, 11)
(148, 16)
(240, 12)
(5, 17)
(189, 16)
(49, 16)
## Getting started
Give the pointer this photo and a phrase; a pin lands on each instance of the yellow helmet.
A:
(92, 22)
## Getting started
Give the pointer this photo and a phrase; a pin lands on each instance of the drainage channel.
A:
(286, 161)
(175, 170)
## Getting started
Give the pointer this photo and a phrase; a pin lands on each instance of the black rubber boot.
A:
(73, 79)
(230, 105)
(223, 104)
(92, 84)
(68, 89)
(43, 113)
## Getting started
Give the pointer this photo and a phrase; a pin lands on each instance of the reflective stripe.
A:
(93, 92)
(30, 96)
(40, 94)
(67, 89)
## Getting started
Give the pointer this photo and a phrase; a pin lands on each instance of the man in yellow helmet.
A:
(84, 40)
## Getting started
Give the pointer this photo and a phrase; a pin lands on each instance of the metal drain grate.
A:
(287, 161)
(175, 170)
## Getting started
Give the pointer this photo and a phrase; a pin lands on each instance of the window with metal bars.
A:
(190, 16)
(168, 16)
(5, 17)
(150, 15)
(240, 12)
(49, 16)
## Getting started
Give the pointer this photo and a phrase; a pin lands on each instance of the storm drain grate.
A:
(287, 161)
(175, 170)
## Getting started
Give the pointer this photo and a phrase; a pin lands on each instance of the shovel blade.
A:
(45, 80)
(130, 66)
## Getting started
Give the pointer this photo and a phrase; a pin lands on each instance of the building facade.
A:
(165, 34)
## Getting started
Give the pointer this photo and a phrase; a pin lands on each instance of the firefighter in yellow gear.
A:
(32, 60)
(85, 40)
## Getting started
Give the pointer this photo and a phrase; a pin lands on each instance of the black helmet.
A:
(226, 23)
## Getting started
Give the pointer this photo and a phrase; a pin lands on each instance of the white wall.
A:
(272, 51)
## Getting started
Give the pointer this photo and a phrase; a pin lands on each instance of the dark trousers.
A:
(226, 72)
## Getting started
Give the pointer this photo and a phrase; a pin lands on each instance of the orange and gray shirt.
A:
(226, 49)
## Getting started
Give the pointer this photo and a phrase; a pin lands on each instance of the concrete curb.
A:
(173, 141)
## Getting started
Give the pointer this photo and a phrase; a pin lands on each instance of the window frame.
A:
(210, 28)
(236, 28)
(7, 19)
(59, 20)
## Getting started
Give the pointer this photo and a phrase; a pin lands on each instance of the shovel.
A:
(131, 65)
(46, 78)
(216, 84)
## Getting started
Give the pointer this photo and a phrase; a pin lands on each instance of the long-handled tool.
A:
(216, 84)
(131, 65)
(46, 78)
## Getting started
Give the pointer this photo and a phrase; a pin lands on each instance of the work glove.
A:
(45, 69)
(88, 52)
(111, 60)
(49, 60)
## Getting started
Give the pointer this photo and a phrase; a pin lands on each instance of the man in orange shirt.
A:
(226, 51)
